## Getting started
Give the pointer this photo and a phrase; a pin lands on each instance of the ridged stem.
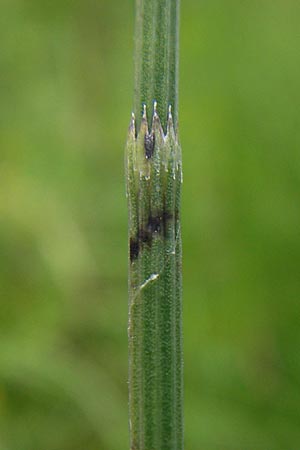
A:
(155, 308)
(156, 58)
(154, 176)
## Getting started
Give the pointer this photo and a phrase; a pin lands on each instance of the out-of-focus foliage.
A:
(66, 82)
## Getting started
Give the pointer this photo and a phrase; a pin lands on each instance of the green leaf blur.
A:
(66, 74)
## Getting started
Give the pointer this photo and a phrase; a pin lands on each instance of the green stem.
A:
(156, 58)
(153, 160)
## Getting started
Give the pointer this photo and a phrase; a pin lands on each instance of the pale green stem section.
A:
(153, 188)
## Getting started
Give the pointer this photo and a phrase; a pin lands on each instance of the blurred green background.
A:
(66, 82)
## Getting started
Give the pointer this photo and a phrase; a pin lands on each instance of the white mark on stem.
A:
(152, 277)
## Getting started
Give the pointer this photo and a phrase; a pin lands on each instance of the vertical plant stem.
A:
(153, 164)
(156, 58)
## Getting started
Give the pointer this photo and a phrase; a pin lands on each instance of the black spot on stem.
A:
(134, 249)
(156, 224)
(149, 143)
(144, 236)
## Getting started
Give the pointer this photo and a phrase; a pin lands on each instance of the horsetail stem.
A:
(156, 58)
(154, 176)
